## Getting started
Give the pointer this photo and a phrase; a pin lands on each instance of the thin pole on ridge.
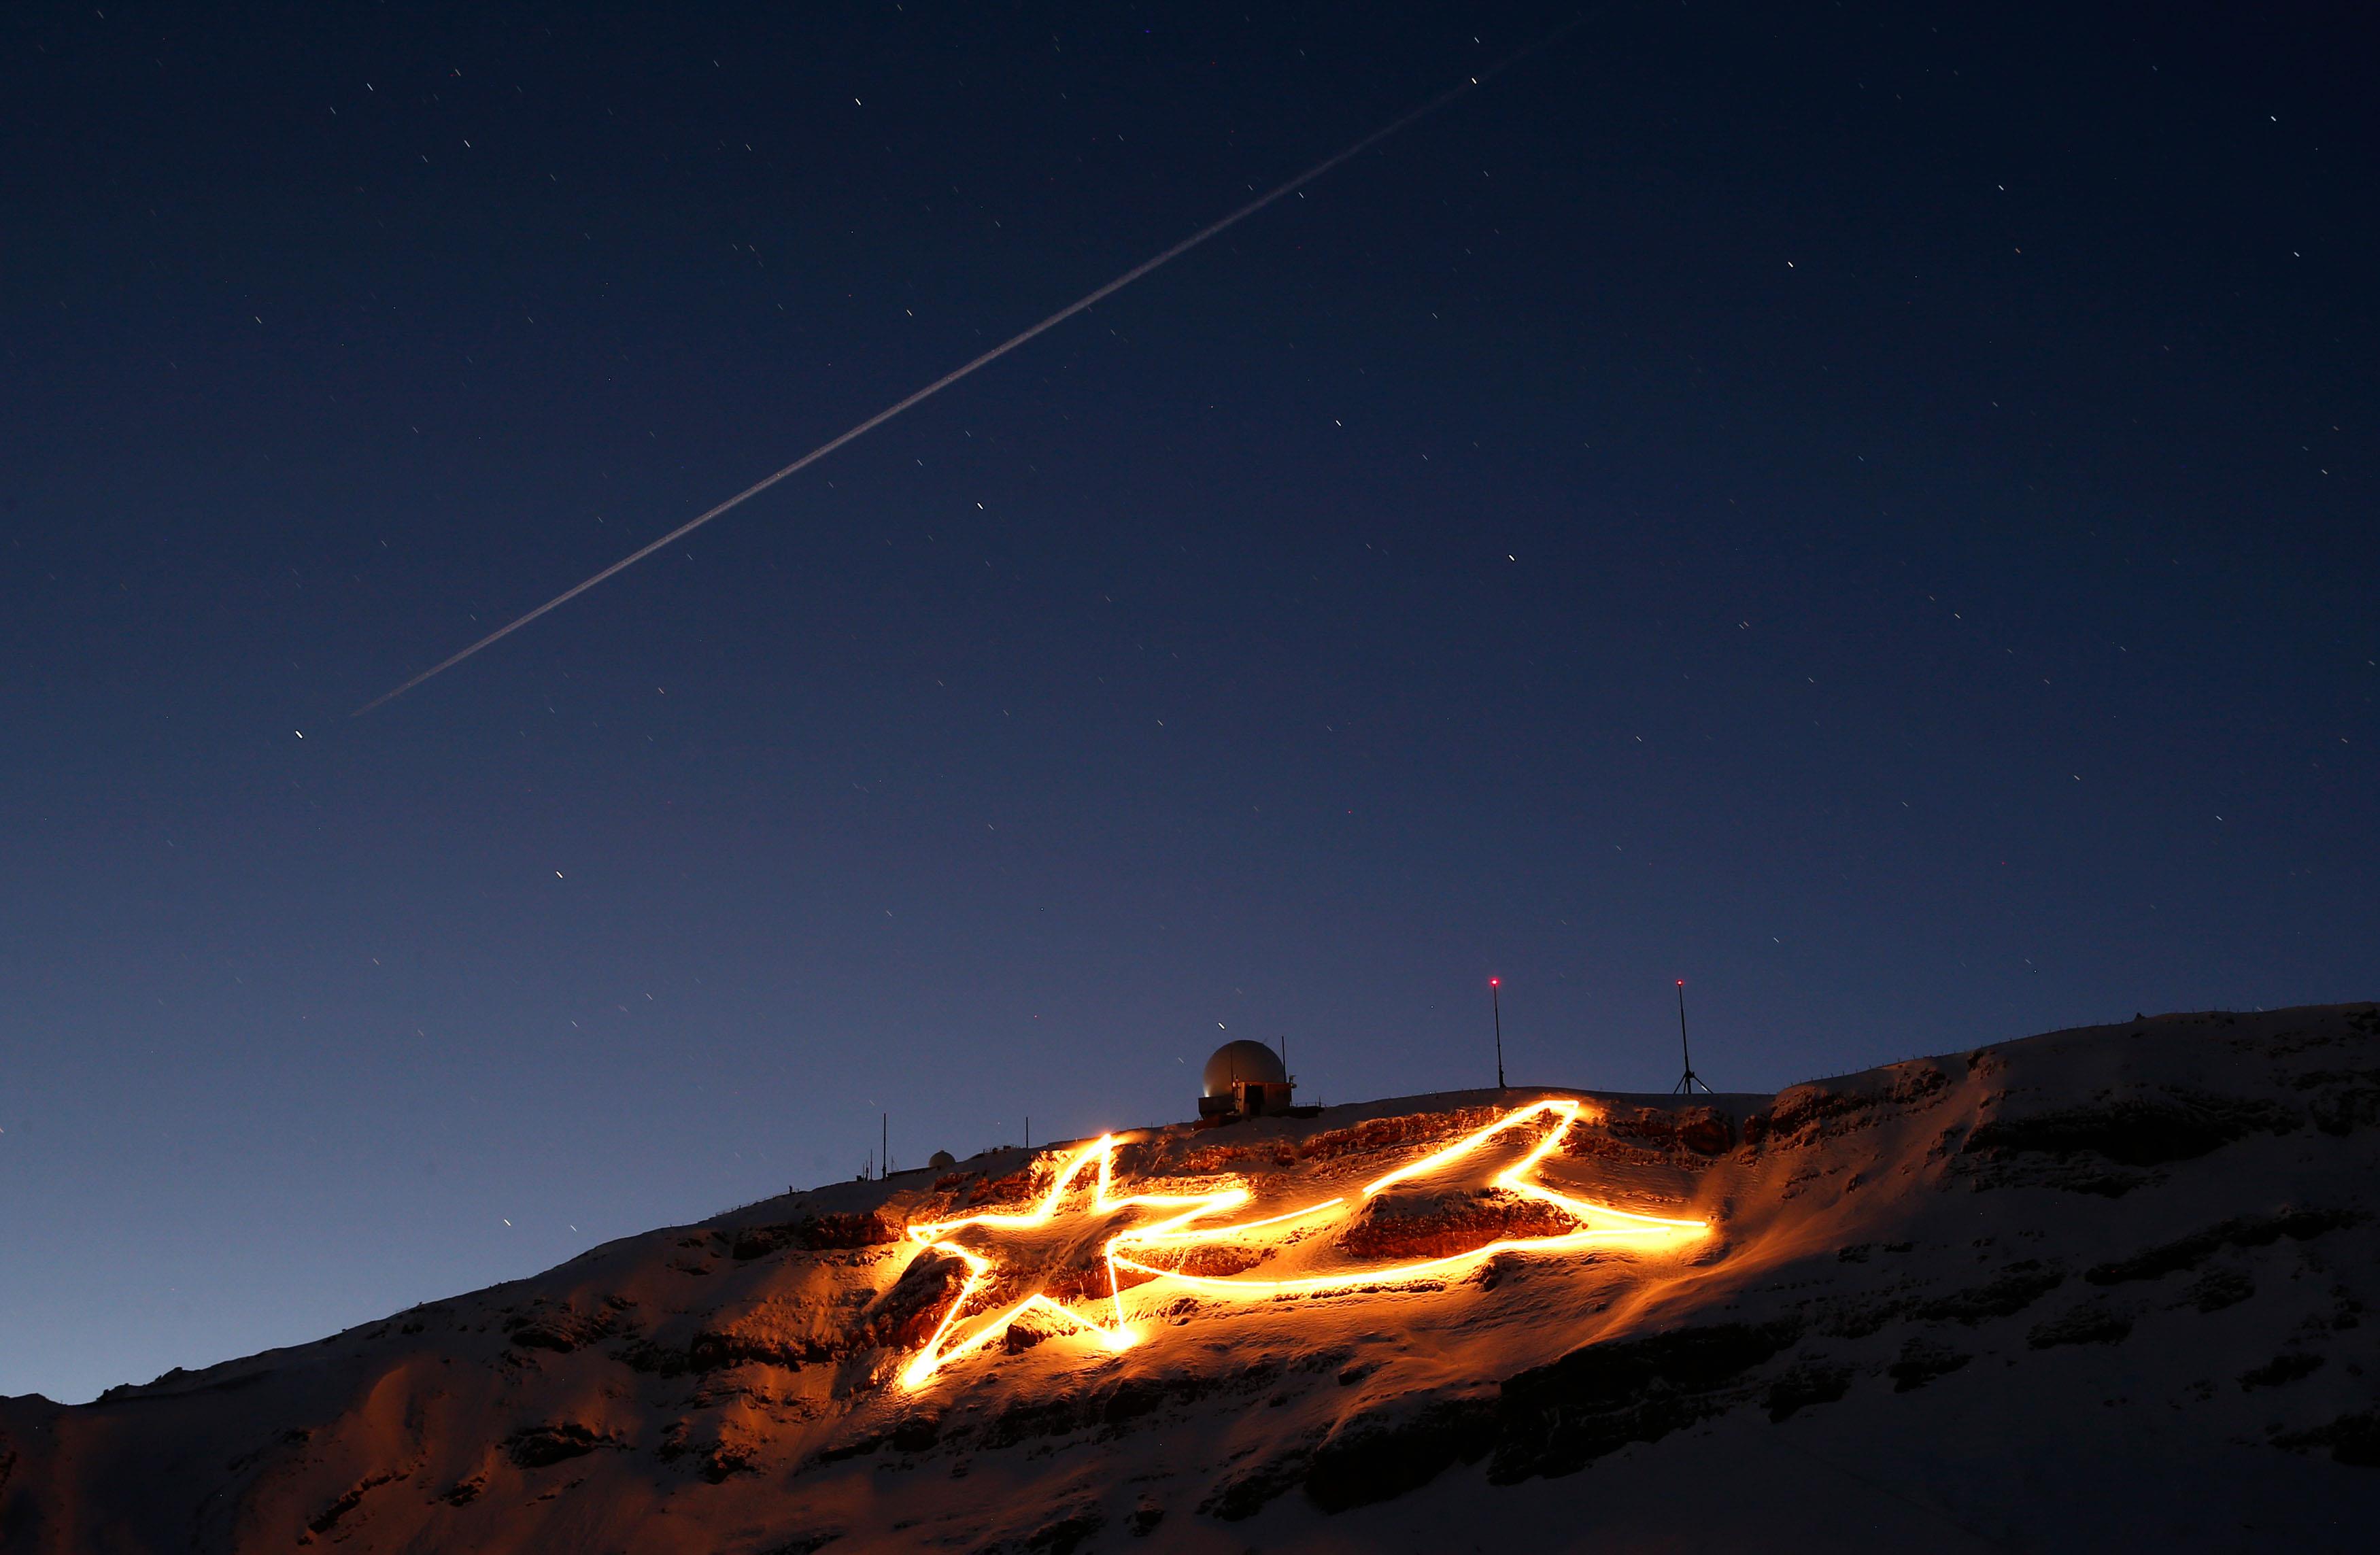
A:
(1496, 1011)
(1688, 1081)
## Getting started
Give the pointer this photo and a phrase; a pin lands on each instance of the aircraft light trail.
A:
(1088, 300)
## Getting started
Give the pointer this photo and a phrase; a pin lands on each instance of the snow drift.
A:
(2099, 1288)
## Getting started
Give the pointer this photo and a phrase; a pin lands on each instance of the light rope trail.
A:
(1011, 344)
(1116, 1335)
(1595, 1224)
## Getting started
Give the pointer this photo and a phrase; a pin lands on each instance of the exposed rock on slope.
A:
(2097, 1288)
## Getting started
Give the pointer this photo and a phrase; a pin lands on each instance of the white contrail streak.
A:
(947, 379)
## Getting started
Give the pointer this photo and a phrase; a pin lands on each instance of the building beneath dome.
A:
(1245, 1079)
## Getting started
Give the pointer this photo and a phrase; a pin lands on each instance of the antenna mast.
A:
(1496, 1009)
(1688, 1081)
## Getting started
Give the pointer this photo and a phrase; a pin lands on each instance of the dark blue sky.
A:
(1869, 509)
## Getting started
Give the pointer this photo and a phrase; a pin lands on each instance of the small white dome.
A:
(1242, 1062)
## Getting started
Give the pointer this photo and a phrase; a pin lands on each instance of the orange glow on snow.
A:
(1179, 1224)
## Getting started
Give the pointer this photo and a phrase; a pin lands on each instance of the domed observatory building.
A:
(1245, 1079)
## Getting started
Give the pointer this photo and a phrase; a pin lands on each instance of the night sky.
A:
(1868, 508)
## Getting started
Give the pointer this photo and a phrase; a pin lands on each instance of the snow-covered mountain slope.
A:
(2101, 1288)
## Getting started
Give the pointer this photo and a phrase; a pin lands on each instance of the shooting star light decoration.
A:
(1006, 1247)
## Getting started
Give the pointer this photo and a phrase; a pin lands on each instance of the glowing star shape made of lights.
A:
(944, 1346)
(1175, 1223)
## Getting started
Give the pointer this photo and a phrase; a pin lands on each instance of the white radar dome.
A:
(1244, 1063)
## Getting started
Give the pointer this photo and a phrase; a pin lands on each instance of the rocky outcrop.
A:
(1999, 1251)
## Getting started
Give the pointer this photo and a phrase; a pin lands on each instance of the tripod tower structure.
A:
(1688, 1080)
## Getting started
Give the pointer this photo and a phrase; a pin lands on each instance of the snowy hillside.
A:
(2104, 1288)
